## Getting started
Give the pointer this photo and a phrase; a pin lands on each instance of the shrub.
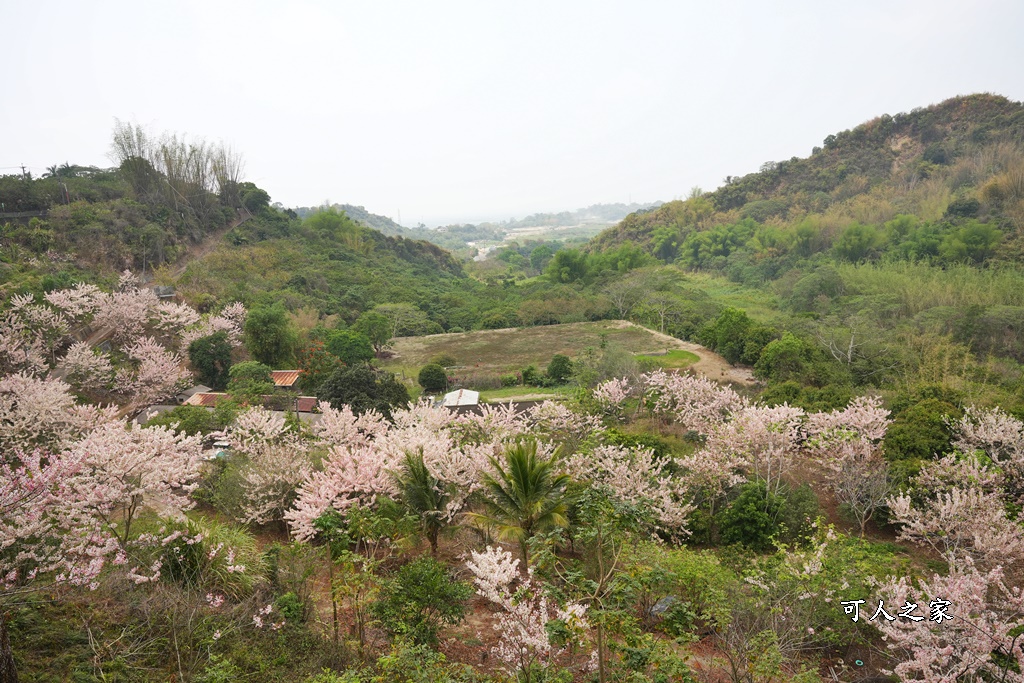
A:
(433, 378)
(920, 432)
(758, 518)
(509, 380)
(351, 347)
(225, 559)
(420, 599)
(560, 368)
(531, 377)
(290, 607)
(189, 420)
(727, 334)
(660, 448)
(695, 578)
(250, 380)
(211, 358)
(363, 387)
(445, 360)
(219, 670)
(499, 320)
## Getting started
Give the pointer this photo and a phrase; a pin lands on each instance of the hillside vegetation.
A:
(853, 514)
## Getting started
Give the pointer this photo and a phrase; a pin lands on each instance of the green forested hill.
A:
(952, 166)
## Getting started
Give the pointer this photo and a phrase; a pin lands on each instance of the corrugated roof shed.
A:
(206, 400)
(284, 378)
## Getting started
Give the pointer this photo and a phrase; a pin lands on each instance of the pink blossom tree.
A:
(764, 441)
(848, 443)
(524, 645)
(638, 478)
(611, 397)
(982, 640)
(41, 413)
(86, 368)
(557, 424)
(230, 319)
(366, 452)
(493, 423)
(128, 469)
(695, 402)
(1000, 437)
(44, 537)
(154, 375)
(277, 461)
(126, 313)
(959, 512)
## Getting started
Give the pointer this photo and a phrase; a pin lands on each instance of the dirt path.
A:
(711, 365)
(208, 244)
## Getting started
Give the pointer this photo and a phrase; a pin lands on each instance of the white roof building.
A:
(462, 397)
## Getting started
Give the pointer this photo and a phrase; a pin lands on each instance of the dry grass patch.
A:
(514, 348)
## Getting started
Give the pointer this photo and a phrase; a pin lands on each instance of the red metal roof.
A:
(306, 404)
(205, 400)
(284, 378)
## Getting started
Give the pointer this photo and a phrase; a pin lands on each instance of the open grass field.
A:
(677, 359)
(484, 355)
(513, 349)
(522, 394)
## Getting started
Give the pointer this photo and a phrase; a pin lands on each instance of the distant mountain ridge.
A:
(459, 235)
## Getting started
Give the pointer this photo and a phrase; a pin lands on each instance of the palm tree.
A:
(525, 497)
(424, 495)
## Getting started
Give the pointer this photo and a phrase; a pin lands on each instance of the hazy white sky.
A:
(470, 111)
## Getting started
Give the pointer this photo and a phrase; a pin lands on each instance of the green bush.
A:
(695, 578)
(727, 334)
(661, 449)
(219, 670)
(920, 432)
(509, 380)
(205, 563)
(291, 607)
(351, 347)
(445, 360)
(211, 358)
(420, 599)
(433, 378)
(559, 369)
(189, 420)
(759, 519)
(363, 387)
(249, 381)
